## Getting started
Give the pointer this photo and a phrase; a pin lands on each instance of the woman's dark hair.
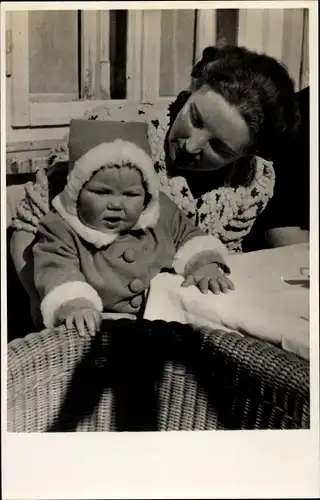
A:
(258, 85)
(176, 106)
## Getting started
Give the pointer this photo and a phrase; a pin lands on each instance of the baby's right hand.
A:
(84, 318)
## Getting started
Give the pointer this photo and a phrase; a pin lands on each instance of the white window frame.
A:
(43, 110)
(293, 42)
(143, 59)
(278, 33)
(151, 42)
(20, 109)
(143, 70)
(143, 67)
(134, 37)
(206, 30)
(304, 75)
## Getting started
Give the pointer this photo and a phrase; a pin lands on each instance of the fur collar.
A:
(98, 239)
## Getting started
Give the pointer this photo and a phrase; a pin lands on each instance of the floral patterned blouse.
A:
(227, 212)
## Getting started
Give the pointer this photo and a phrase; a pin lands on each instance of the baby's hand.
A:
(210, 277)
(82, 318)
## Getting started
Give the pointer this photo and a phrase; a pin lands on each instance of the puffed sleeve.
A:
(61, 285)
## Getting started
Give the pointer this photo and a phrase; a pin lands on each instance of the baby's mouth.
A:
(112, 221)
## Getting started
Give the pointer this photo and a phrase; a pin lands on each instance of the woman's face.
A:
(208, 133)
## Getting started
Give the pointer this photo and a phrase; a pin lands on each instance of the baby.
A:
(110, 232)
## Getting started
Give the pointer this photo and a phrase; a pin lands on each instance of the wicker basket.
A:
(147, 376)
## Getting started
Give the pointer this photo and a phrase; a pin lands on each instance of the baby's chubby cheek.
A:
(89, 214)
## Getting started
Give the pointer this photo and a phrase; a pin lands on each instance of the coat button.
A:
(136, 285)
(129, 255)
(136, 301)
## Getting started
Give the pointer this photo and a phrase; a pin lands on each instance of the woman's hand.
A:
(210, 277)
(84, 318)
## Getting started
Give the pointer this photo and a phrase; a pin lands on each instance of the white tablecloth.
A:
(271, 300)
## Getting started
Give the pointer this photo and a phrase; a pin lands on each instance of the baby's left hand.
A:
(210, 277)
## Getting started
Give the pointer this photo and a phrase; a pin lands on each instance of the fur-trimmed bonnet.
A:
(119, 153)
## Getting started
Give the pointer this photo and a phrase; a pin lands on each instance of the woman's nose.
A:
(196, 142)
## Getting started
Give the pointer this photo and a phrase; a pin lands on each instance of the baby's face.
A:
(113, 199)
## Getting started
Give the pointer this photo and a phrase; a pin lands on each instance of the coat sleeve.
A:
(194, 248)
(60, 283)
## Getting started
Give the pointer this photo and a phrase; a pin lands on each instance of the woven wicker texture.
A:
(146, 376)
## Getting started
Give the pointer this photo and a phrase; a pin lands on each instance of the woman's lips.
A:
(186, 161)
(192, 161)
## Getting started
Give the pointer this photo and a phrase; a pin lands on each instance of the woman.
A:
(228, 85)
(222, 132)
(286, 218)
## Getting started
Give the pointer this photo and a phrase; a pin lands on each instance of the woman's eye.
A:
(196, 119)
(220, 148)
